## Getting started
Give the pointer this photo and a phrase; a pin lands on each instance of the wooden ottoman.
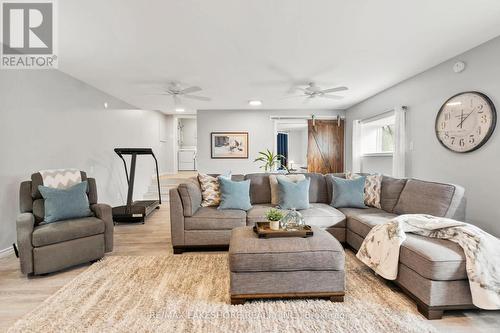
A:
(285, 267)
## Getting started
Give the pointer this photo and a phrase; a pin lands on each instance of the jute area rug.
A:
(189, 293)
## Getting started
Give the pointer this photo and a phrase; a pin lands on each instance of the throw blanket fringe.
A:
(380, 251)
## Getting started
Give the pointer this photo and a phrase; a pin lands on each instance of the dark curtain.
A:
(283, 148)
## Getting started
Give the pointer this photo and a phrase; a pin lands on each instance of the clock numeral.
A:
(461, 143)
(447, 116)
(443, 125)
(479, 130)
(446, 135)
(472, 139)
(452, 140)
(484, 119)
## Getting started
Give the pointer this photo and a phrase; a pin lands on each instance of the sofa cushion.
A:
(329, 183)
(390, 192)
(319, 214)
(234, 194)
(421, 197)
(210, 189)
(348, 192)
(258, 213)
(293, 195)
(273, 182)
(260, 189)
(323, 216)
(432, 258)
(211, 218)
(190, 194)
(57, 232)
(318, 192)
(361, 221)
(248, 253)
(65, 203)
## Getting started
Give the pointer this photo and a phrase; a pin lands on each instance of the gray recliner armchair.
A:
(45, 248)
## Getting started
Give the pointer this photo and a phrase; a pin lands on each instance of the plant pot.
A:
(274, 225)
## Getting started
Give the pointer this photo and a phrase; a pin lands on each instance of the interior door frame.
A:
(278, 119)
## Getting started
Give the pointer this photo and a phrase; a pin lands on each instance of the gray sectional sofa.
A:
(431, 271)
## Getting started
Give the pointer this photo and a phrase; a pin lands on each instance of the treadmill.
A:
(135, 211)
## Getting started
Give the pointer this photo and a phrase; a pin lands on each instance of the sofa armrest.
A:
(176, 218)
(104, 212)
(25, 225)
(190, 194)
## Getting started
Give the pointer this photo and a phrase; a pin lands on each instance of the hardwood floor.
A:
(19, 295)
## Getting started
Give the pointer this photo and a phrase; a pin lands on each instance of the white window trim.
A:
(384, 154)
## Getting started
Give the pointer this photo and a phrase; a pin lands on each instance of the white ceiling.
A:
(238, 50)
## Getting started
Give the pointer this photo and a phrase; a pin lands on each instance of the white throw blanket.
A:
(380, 251)
(61, 178)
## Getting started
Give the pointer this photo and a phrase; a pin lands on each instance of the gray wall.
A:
(51, 120)
(260, 130)
(376, 164)
(424, 94)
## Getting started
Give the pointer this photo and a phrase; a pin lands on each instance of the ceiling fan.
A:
(313, 91)
(175, 90)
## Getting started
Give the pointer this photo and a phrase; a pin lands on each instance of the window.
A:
(377, 136)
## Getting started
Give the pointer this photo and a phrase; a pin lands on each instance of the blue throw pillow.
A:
(293, 194)
(234, 195)
(64, 204)
(348, 192)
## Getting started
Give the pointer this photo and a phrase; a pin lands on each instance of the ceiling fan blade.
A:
(177, 100)
(332, 96)
(190, 90)
(326, 91)
(156, 94)
(199, 98)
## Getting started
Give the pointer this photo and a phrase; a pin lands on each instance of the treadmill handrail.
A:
(138, 151)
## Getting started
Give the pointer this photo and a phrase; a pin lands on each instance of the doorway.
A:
(186, 143)
(310, 145)
(291, 142)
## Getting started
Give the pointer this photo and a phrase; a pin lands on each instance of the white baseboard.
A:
(6, 252)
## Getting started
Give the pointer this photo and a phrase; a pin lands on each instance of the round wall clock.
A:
(466, 121)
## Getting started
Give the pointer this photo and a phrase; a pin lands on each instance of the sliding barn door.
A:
(325, 150)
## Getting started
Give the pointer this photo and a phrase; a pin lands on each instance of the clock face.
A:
(465, 122)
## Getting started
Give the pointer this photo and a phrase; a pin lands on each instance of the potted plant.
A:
(274, 216)
(269, 159)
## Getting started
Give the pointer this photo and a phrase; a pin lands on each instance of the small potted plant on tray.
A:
(274, 216)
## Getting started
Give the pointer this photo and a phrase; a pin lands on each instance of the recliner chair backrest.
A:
(31, 200)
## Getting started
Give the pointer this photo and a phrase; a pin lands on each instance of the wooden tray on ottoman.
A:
(263, 230)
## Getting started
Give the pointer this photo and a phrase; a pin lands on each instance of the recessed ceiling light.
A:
(255, 102)
(105, 105)
(179, 109)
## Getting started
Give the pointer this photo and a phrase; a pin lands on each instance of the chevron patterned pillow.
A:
(210, 190)
(373, 185)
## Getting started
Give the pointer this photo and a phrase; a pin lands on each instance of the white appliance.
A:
(187, 159)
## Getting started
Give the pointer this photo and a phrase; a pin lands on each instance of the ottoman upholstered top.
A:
(248, 253)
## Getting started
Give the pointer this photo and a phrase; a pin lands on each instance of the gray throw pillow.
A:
(348, 193)
(293, 194)
(64, 204)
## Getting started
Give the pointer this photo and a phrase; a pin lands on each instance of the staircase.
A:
(166, 183)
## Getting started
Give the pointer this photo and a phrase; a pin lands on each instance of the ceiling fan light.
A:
(255, 102)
